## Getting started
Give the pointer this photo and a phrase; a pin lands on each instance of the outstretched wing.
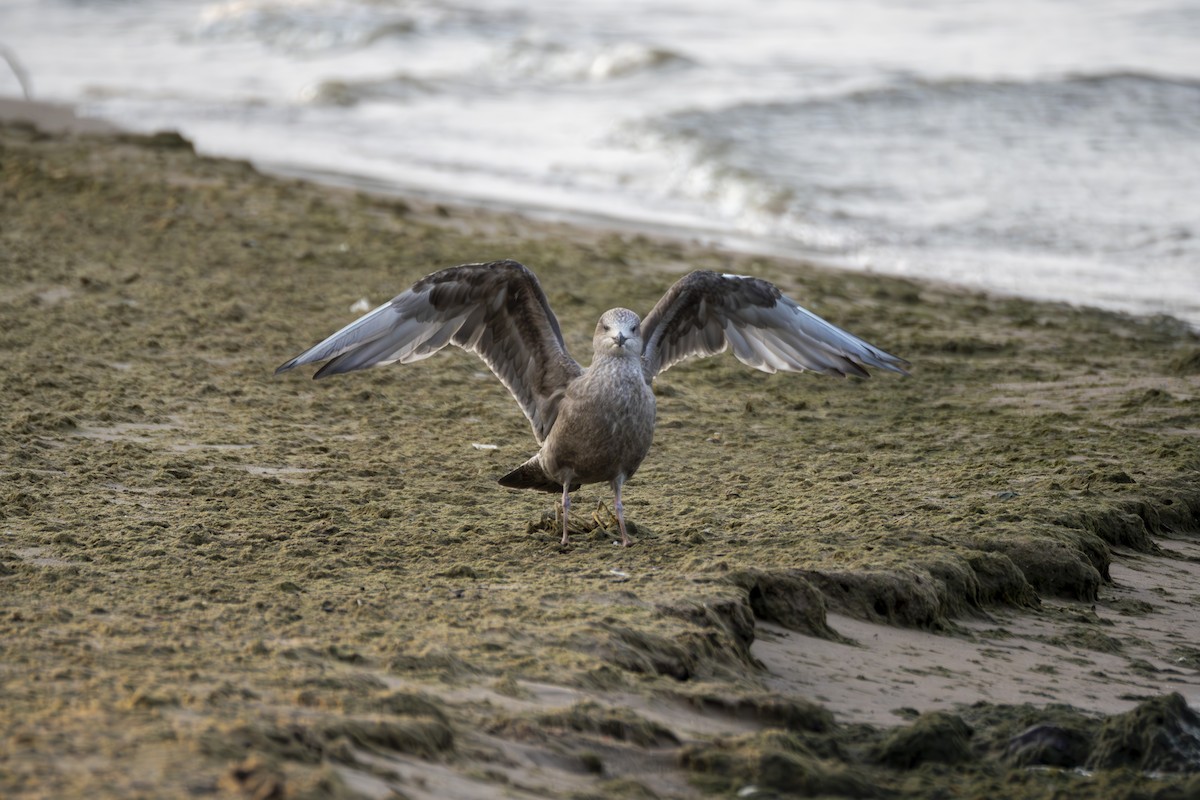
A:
(705, 312)
(496, 310)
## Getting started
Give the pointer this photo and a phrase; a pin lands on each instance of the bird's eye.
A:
(606, 329)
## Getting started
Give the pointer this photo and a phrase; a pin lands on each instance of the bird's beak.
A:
(621, 339)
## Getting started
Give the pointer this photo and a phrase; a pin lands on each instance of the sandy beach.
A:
(977, 581)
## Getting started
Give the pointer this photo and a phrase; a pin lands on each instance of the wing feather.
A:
(496, 310)
(705, 312)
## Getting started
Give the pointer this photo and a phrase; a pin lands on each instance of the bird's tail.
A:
(530, 475)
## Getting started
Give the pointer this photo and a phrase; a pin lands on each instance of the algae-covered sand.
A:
(218, 581)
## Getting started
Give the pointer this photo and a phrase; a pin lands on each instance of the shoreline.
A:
(58, 118)
(318, 584)
(731, 241)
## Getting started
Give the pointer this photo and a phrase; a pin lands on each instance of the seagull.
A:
(593, 424)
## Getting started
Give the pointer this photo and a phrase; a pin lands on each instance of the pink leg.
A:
(566, 504)
(620, 511)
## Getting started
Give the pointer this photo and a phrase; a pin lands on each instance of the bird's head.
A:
(618, 331)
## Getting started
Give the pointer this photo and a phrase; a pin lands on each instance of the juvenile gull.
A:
(594, 424)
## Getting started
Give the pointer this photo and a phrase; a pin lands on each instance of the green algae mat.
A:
(218, 582)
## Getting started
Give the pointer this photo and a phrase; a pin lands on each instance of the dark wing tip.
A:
(295, 362)
(886, 361)
(329, 368)
(851, 369)
(285, 367)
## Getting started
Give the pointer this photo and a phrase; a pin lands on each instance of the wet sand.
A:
(215, 581)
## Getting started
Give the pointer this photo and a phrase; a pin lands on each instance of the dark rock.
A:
(1048, 745)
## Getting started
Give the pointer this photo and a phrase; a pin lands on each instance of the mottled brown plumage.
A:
(594, 425)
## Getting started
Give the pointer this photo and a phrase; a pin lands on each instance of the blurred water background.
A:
(1046, 148)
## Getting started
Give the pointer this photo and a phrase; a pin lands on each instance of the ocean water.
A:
(1049, 149)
